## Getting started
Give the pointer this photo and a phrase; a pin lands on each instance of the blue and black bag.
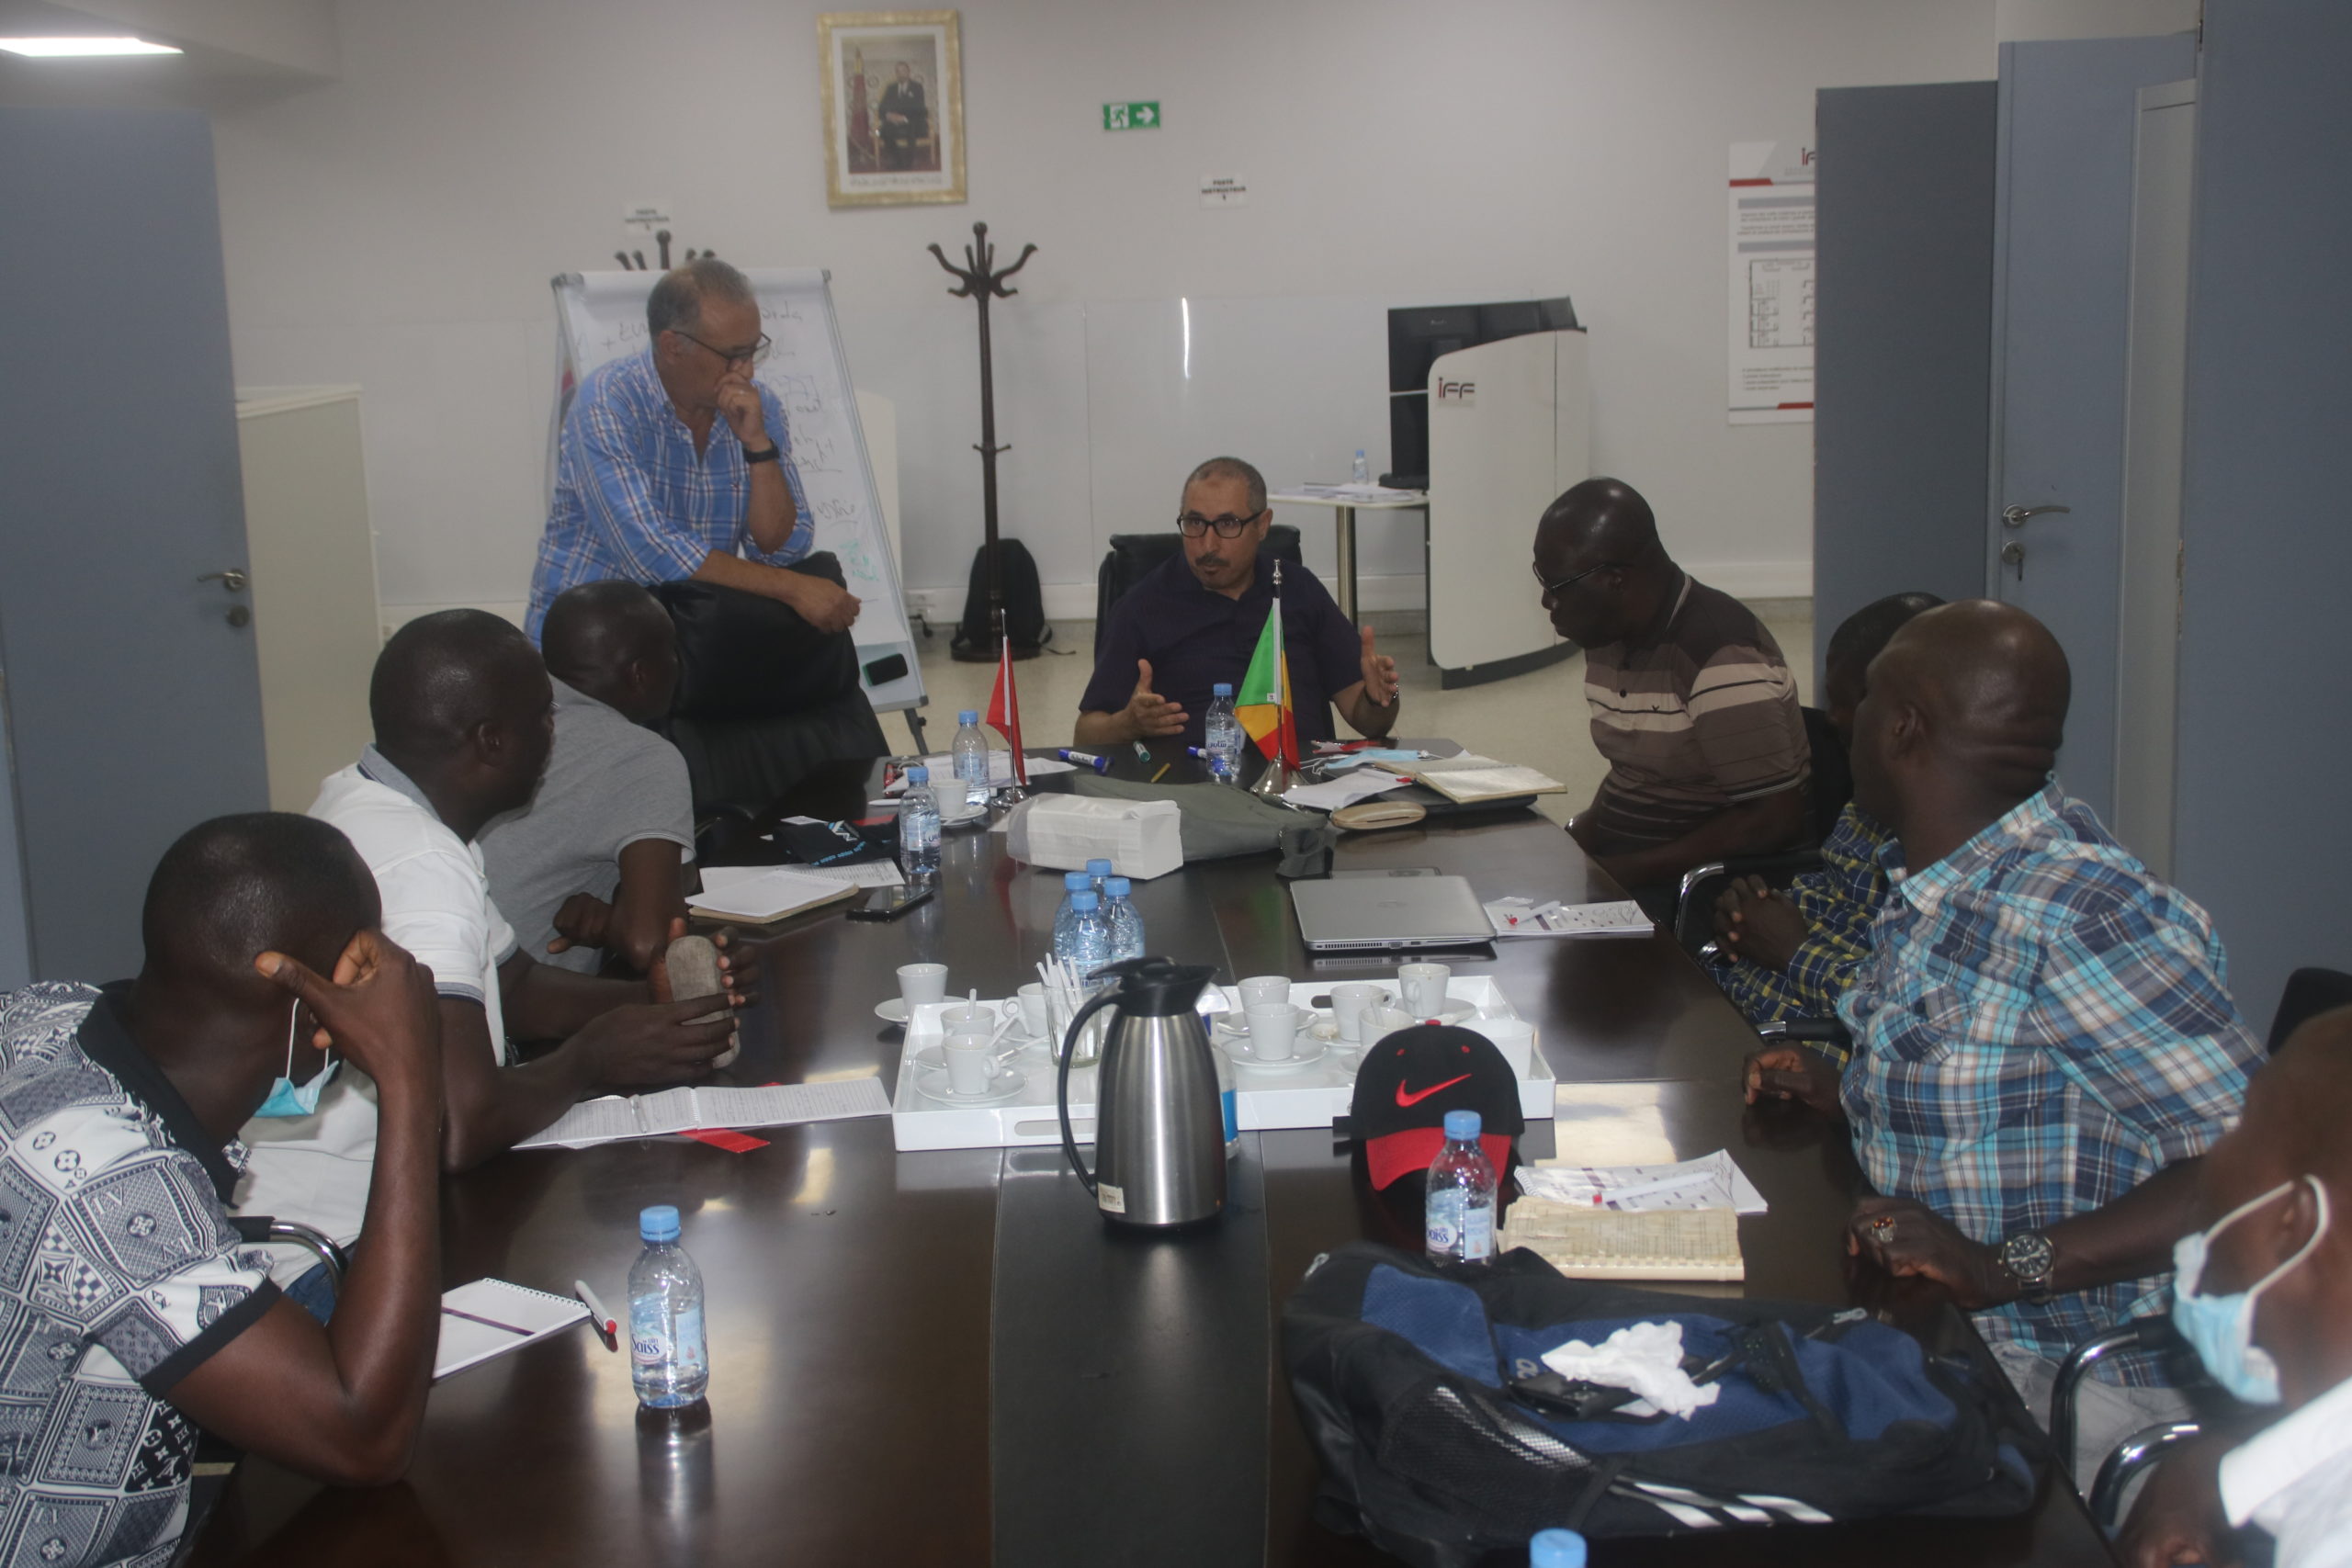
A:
(1443, 1437)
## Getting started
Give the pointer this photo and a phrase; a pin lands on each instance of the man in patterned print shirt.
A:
(2043, 1041)
(130, 1310)
(1692, 704)
(649, 489)
(1792, 954)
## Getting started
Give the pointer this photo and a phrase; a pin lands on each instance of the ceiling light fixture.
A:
(61, 48)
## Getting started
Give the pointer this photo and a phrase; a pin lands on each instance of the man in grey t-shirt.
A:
(592, 867)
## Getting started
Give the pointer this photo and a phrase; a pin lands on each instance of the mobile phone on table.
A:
(888, 903)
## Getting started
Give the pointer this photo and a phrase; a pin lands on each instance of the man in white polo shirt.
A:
(461, 708)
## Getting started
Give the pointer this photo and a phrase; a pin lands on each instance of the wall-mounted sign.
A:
(1131, 117)
(1771, 282)
(646, 217)
(1223, 190)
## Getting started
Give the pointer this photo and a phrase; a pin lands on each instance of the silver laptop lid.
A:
(1356, 912)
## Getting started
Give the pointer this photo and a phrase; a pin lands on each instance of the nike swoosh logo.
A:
(1411, 1099)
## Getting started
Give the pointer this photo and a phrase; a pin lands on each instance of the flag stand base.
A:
(1274, 781)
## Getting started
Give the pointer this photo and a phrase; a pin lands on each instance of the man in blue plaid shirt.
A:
(2044, 1042)
(649, 489)
(1793, 954)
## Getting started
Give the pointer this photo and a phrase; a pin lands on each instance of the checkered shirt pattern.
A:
(1838, 902)
(2040, 1027)
(118, 1274)
(634, 500)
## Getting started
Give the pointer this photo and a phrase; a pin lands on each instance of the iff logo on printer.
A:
(1462, 392)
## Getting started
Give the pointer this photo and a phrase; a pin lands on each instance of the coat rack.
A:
(981, 282)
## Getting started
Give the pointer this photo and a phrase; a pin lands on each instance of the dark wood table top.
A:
(944, 1357)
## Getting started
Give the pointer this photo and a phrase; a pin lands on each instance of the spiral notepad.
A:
(490, 1318)
(1616, 1244)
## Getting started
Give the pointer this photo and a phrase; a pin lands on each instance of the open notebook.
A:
(614, 1118)
(490, 1318)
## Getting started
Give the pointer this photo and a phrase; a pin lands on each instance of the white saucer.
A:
(962, 815)
(932, 1083)
(892, 1012)
(1302, 1053)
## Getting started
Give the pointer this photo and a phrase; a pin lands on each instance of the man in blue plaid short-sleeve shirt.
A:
(2043, 1040)
(649, 488)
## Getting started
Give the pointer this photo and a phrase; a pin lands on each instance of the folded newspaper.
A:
(615, 1119)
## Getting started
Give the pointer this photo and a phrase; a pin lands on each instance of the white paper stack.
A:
(1525, 916)
(1710, 1181)
(1141, 839)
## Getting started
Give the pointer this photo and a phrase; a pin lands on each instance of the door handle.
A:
(2015, 516)
(232, 580)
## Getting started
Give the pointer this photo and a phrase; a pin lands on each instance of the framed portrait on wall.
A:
(894, 107)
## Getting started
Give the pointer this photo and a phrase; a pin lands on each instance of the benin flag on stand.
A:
(1262, 702)
(1004, 712)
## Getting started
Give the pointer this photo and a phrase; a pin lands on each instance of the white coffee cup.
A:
(1424, 987)
(1031, 1000)
(1377, 1023)
(969, 1016)
(1264, 990)
(919, 984)
(1273, 1032)
(1514, 1037)
(971, 1063)
(1350, 1000)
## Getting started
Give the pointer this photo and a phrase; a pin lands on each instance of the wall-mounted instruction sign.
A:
(1131, 117)
(1223, 190)
(1771, 236)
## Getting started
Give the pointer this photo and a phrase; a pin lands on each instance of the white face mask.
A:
(2221, 1327)
(286, 1097)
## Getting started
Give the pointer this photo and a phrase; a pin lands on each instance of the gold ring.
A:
(1883, 1226)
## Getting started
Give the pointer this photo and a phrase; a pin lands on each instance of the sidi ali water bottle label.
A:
(1113, 1200)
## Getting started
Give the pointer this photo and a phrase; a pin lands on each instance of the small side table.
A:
(1346, 507)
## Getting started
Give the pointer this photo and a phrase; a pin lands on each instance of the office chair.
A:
(261, 1229)
(2143, 1447)
(1827, 793)
(2309, 993)
(1132, 555)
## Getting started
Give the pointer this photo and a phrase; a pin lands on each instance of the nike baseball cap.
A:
(1411, 1078)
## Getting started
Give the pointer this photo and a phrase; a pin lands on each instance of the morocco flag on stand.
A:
(1263, 700)
(1004, 712)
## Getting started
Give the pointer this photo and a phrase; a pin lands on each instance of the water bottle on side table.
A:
(1361, 473)
(668, 1358)
(969, 752)
(1119, 914)
(1225, 737)
(917, 826)
(1072, 882)
(1459, 1218)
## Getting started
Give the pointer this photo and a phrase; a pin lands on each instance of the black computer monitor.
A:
(1417, 336)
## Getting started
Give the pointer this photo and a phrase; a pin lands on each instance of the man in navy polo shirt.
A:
(1195, 619)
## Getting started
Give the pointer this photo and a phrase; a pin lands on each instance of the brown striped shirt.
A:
(1704, 717)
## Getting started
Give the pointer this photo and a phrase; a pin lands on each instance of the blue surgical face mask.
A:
(286, 1097)
(2221, 1327)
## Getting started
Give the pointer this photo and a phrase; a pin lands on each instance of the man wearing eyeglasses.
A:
(650, 489)
(1195, 619)
(1692, 704)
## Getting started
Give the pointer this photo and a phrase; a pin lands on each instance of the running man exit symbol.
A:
(1131, 117)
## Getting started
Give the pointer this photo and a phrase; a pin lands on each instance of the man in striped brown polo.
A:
(1692, 704)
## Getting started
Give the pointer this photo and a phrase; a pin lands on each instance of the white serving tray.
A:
(1308, 1095)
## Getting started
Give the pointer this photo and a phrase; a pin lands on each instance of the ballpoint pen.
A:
(608, 1328)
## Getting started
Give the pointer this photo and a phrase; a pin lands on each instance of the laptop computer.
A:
(1356, 914)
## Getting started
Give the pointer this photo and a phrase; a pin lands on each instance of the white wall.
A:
(397, 228)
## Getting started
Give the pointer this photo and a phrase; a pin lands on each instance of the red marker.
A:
(608, 1328)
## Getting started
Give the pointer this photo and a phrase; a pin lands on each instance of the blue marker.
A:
(1084, 759)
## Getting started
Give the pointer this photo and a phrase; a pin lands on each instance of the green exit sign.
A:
(1131, 117)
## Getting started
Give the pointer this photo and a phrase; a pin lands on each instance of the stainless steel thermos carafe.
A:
(1158, 1124)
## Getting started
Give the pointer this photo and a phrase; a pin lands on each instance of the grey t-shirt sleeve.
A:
(647, 796)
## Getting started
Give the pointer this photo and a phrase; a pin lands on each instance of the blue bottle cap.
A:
(1462, 1125)
(1083, 899)
(1076, 881)
(1555, 1549)
(1098, 868)
(1222, 689)
(1117, 886)
(918, 774)
(659, 1223)
(968, 716)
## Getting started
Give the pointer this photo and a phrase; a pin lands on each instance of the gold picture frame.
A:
(893, 94)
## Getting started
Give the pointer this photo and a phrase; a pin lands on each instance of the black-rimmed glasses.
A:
(755, 354)
(1553, 590)
(1191, 524)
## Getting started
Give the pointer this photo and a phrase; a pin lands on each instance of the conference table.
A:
(946, 1357)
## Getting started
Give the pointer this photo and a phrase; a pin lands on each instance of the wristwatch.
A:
(770, 456)
(2030, 1258)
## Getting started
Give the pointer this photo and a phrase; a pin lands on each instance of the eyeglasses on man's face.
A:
(755, 354)
(1191, 524)
(1553, 589)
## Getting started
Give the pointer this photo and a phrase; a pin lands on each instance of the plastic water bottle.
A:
(969, 752)
(1123, 920)
(1458, 1224)
(1555, 1549)
(1088, 946)
(1098, 874)
(918, 825)
(668, 1358)
(1224, 1099)
(1226, 736)
(1072, 882)
(1363, 472)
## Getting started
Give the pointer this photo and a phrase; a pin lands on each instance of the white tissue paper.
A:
(1139, 837)
(1644, 1357)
